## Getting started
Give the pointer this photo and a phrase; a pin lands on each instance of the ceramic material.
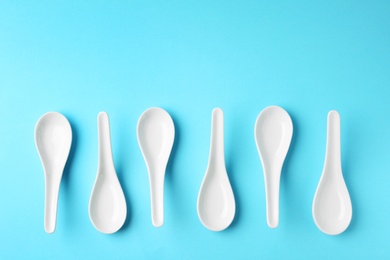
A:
(107, 206)
(273, 133)
(332, 209)
(156, 133)
(216, 205)
(53, 139)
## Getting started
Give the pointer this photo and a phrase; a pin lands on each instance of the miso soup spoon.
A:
(107, 206)
(273, 133)
(332, 208)
(53, 139)
(156, 133)
(216, 204)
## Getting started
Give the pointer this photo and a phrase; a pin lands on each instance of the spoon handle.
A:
(156, 178)
(217, 154)
(272, 183)
(333, 154)
(105, 152)
(52, 188)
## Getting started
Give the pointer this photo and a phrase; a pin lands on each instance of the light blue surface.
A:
(83, 57)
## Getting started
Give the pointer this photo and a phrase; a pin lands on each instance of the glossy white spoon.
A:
(332, 209)
(53, 139)
(216, 205)
(107, 206)
(156, 133)
(273, 133)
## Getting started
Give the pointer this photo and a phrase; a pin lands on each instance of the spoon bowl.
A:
(53, 139)
(156, 134)
(273, 134)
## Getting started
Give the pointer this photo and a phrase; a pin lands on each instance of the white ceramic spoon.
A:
(332, 209)
(156, 133)
(107, 206)
(216, 205)
(53, 139)
(273, 133)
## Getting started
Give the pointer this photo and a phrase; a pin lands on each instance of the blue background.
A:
(122, 57)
